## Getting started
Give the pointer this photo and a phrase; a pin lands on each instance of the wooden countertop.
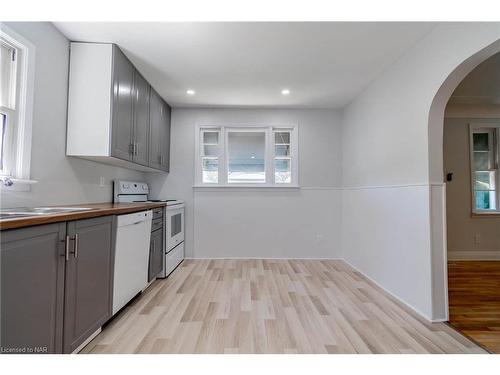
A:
(98, 209)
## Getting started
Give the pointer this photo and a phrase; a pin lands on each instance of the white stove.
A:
(173, 220)
(131, 192)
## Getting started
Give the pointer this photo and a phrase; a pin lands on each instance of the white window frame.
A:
(473, 129)
(18, 149)
(269, 155)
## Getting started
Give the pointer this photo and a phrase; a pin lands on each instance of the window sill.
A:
(18, 184)
(247, 186)
(485, 213)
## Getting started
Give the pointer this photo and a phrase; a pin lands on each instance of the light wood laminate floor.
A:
(272, 306)
(474, 298)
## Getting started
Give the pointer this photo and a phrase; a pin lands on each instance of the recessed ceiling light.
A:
(285, 92)
(190, 92)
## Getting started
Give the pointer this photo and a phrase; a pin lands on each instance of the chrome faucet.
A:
(7, 181)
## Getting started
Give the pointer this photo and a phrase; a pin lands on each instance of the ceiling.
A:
(325, 65)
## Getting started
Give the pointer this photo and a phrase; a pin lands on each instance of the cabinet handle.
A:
(136, 148)
(66, 250)
(76, 245)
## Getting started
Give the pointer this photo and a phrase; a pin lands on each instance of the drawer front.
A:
(157, 224)
(157, 213)
(174, 258)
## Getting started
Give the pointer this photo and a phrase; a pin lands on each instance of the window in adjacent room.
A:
(247, 156)
(16, 91)
(484, 167)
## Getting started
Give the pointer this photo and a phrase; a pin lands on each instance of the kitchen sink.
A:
(12, 213)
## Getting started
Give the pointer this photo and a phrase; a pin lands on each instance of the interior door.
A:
(141, 120)
(123, 117)
(89, 279)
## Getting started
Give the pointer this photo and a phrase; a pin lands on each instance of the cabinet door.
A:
(141, 120)
(89, 279)
(155, 254)
(32, 287)
(165, 137)
(155, 107)
(122, 116)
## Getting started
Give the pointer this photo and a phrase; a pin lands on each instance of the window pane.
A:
(481, 160)
(485, 181)
(210, 168)
(210, 150)
(3, 124)
(282, 137)
(481, 141)
(282, 150)
(282, 171)
(246, 157)
(7, 77)
(211, 138)
(485, 200)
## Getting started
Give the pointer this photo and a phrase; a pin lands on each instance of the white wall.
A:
(388, 180)
(61, 180)
(269, 223)
(468, 237)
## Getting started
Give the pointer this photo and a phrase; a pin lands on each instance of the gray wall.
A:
(468, 237)
(61, 180)
(271, 223)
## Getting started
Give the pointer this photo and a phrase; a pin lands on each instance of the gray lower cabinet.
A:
(32, 266)
(57, 284)
(89, 279)
(155, 254)
(123, 98)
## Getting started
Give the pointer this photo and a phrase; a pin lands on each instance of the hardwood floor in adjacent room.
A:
(474, 298)
(272, 306)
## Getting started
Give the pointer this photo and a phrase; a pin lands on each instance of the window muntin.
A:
(246, 156)
(484, 167)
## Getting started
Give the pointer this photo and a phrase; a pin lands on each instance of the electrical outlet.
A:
(477, 239)
(102, 182)
(319, 238)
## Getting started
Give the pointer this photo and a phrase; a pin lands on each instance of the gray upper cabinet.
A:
(114, 115)
(89, 278)
(32, 266)
(160, 113)
(165, 138)
(141, 120)
(123, 104)
(155, 123)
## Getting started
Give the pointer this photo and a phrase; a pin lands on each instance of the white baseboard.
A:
(415, 310)
(474, 255)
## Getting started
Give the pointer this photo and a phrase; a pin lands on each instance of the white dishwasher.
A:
(133, 232)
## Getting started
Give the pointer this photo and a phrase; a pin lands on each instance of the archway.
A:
(439, 256)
